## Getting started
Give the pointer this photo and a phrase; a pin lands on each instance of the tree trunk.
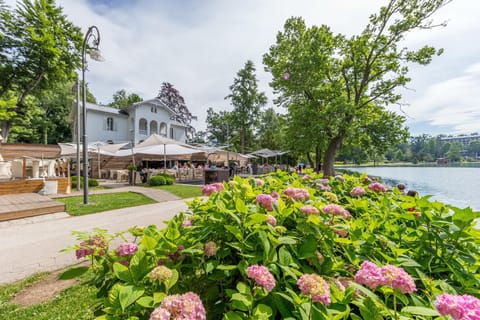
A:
(6, 125)
(244, 133)
(310, 160)
(328, 163)
(318, 159)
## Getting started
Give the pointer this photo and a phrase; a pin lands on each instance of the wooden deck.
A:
(32, 185)
(24, 205)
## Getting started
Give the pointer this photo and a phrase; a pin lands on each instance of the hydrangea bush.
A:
(287, 247)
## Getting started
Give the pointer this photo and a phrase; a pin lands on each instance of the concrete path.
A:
(32, 245)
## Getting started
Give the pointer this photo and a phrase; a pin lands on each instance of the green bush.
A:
(91, 182)
(289, 228)
(161, 179)
(157, 181)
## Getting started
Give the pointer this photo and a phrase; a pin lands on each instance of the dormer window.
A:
(110, 125)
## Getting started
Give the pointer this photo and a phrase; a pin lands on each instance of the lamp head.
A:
(96, 55)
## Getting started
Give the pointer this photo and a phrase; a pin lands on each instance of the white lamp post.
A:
(93, 36)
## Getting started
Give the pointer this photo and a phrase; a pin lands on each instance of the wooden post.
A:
(24, 171)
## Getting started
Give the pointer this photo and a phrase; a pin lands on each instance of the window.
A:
(110, 126)
(172, 133)
(142, 126)
(153, 127)
(163, 129)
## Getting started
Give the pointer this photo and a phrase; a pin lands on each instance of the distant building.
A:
(135, 122)
(464, 140)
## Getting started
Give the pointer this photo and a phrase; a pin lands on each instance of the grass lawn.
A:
(104, 202)
(76, 302)
(182, 191)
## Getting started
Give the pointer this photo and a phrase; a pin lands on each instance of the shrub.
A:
(388, 258)
(160, 179)
(91, 182)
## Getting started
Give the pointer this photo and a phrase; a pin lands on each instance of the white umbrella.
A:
(156, 145)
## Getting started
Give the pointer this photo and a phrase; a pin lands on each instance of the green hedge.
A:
(91, 182)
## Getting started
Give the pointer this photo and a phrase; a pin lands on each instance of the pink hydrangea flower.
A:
(286, 76)
(377, 187)
(369, 275)
(306, 177)
(275, 195)
(309, 209)
(259, 182)
(463, 307)
(316, 287)
(160, 273)
(324, 187)
(297, 194)
(126, 249)
(266, 200)
(336, 210)
(262, 276)
(342, 233)
(372, 276)
(208, 189)
(271, 220)
(187, 223)
(177, 307)
(210, 249)
(397, 278)
(358, 191)
(89, 246)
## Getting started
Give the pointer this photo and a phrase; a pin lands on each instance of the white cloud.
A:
(199, 46)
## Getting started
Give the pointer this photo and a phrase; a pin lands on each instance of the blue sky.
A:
(199, 46)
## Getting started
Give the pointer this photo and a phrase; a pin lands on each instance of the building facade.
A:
(133, 123)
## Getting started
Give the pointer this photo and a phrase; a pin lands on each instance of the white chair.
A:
(17, 169)
(51, 168)
(5, 170)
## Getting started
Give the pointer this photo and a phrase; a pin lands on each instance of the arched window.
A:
(163, 129)
(110, 126)
(153, 127)
(142, 126)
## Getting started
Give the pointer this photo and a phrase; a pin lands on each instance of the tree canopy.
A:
(337, 87)
(122, 100)
(247, 102)
(39, 48)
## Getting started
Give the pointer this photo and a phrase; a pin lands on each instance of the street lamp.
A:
(93, 36)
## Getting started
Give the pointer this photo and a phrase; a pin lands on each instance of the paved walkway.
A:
(33, 245)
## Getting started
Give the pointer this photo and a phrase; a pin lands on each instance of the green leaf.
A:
(129, 294)
(158, 297)
(287, 240)
(421, 311)
(232, 315)
(241, 301)
(308, 247)
(284, 256)
(243, 288)
(122, 272)
(146, 302)
(226, 267)
(314, 219)
(173, 280)
(235, 231)
(149, 242)
(262, 311)
(73, 273)
(139, 265)
(172, 232)
(240, 206)
(256, 218)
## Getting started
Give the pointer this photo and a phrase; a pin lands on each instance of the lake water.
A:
(453, 185)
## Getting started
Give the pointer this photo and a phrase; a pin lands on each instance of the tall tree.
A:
(122, 100)
(350, 81)
(270, 130)
(39, 48)
(171, 98)
(246, 101)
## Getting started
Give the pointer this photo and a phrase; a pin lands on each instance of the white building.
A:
(135, 122)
